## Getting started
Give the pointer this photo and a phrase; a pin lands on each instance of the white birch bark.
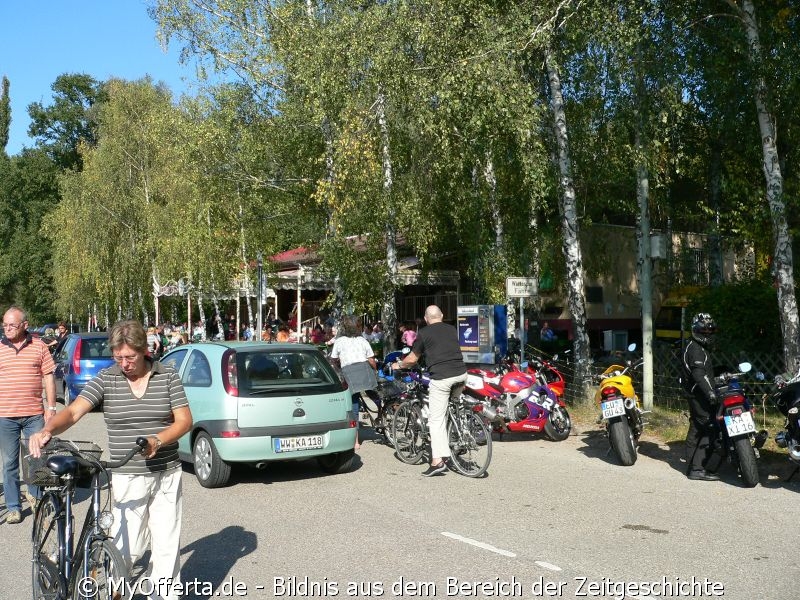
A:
(245, 269)
(389, 316)
(784, 265)
(576, 301)
(491, 181)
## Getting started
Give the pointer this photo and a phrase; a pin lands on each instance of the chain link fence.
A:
(668, 391)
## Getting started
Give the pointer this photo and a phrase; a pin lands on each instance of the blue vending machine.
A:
(482, 332)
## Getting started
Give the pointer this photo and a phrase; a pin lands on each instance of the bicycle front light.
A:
(106, 519)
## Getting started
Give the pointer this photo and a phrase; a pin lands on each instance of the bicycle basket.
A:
(35, 471)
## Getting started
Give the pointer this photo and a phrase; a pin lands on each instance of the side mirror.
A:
(631, 347)
(745, 367)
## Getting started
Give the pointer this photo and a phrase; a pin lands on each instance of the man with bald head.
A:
(438, 343)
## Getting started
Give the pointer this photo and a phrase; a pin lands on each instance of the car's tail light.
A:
(230, 374)
(76, 358)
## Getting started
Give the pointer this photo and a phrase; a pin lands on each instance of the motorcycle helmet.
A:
(703, 329)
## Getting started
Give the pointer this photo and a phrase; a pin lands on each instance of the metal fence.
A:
(668, 391)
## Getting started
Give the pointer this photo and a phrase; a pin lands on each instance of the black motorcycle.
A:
(787, 400)
(733, 434)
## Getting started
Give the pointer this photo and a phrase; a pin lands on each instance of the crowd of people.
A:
(147, 494)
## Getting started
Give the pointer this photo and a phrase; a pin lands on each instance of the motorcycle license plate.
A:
(740, 424)
(613, 408)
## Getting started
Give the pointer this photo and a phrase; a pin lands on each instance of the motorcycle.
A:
(533, 366)
(733, 434)
(519, 402)
(552, 376)
(787, 400)
(621, 412)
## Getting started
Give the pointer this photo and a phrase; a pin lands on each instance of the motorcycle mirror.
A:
(632, 347)
(406, 350)
(745, 367)
(555, 357)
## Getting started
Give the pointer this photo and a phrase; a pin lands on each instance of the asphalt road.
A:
(551, 519)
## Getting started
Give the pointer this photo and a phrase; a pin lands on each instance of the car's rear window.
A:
(95, 348)
(267, 372)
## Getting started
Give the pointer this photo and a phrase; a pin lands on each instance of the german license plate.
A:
(740, 424)
(612, 408)
(302, 442)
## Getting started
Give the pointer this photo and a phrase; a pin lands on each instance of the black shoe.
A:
(703, 475)
(437, 470)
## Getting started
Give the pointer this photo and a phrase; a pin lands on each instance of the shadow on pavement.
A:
(213, 556)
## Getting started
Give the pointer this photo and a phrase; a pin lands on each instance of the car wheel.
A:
(341, 462)
(211, 471)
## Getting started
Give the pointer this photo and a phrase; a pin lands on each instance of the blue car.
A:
(78, 359)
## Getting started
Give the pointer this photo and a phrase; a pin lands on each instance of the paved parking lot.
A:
(550, 520)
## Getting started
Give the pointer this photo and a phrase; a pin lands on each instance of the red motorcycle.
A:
(517, 401)
(552, 376)
(536, 366)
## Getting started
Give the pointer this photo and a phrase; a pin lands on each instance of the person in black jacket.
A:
(698, 373)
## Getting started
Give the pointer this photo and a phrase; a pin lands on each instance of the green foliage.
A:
(5, 114)
(28, 190)
(746, 314)
(69, 121)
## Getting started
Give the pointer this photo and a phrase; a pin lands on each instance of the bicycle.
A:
(469, 436)
(97, 570)
(381, 414)
(385, 400)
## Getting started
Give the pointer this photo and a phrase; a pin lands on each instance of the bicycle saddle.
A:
(63, 465)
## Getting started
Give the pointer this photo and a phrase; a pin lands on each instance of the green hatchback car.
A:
(256, 402)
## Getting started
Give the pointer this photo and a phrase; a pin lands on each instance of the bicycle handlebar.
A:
(141, 444)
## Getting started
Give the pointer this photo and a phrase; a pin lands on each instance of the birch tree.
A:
(784, 264)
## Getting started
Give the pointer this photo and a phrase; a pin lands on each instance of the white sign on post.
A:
(521, 287)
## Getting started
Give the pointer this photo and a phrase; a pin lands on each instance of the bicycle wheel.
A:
(387, 414)
(408, 433)
(107, 574)
(470, 443)
(46, 582)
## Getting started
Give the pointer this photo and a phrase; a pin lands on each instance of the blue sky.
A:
(41, 39)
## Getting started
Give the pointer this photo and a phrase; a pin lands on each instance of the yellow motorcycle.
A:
(620, 410)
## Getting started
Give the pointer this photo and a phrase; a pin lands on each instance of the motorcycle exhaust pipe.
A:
(489, 412)
(630, 403)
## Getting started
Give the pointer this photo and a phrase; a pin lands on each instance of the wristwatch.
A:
(158, 442)
(53, 408)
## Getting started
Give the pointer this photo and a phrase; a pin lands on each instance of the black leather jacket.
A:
(698, 371)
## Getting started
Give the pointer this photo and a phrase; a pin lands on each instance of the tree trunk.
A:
(576, 300)
(389, 316)
(491, 181)
(783, 262)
